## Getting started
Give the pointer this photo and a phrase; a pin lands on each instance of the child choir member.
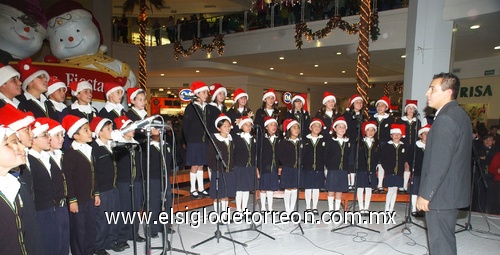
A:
(313, 162)
(10, 85)
(393, 159)
(269, 108)
(239, 108)
(244, 162)
(416, 163)
(112, 108)
(267, 156)
(218, 96)
(354, 116)
(56, 92)
(299, 113)
(412, 123)
(368, 158)
(289, 157)
(337, 162)
(82, 107)
(327, 113)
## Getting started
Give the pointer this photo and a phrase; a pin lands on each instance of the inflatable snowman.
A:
(22, 29)
(75, 40)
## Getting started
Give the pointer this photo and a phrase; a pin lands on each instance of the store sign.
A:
(286, 97)
(185, 95)
(476, 91)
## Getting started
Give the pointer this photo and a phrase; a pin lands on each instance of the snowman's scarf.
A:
(97, 61)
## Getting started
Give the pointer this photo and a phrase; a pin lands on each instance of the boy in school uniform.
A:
(34, 85)
(393, 161)
(82, 107)
(113, 107)
(10, 85)
(56, 92)
(48, 188)
(105, 174)
(83, 192)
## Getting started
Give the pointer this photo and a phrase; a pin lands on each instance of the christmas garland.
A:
(334, 22)
(217, 43)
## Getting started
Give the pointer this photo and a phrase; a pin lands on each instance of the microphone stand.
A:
(408, 219)
(253, 226)
(353, 222)
(476, 167)
(300, 117)
(131, 151)
(217, 234)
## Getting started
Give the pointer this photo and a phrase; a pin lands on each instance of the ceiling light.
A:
(197, 71)
(343, 71)
(403, 56)
(316, 65)
(162, 74)
(301, 73)
(475, 27)
(325, 82)
(497, 47)
(454, 29)
(281, 58)
(339, 53)
(160, 89)
(234, 62)
(271, 68)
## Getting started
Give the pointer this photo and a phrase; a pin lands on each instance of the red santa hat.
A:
(72, 123)
(302, 97)
(268, 93)
(39, 126)
(122, 121)
(354, 98)
(410, 102)
(385, 100)
(13, 118)
(97, 124)
(30, 8)
(29, 72)
(132, 93)
(243, 120)
(110, 87)
(339, 120)
(57, 15)
(288, 123)
(239, 93)
(6, 73)
(328, 96)
(368, 124)
(317, 120)
(54, 85)
(268, 120)
(423, 129)
(199, 86)
(222, 116)
(398, 129)
(215, 89)
(78, 86)
(54, 126)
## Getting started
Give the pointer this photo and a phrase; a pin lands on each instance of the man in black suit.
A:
(446, 177)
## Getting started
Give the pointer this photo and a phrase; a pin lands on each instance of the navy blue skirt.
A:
(196, 154)
(245, 178)
(310, 179)
(289, 178)
(269, 181)
(416, 184)
(336, 181)
(365, 180)
(393, 181)
(227, 187)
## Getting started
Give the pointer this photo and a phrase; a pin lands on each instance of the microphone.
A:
(356, 116)
(138, 124)
(416, 113)
(123, 145)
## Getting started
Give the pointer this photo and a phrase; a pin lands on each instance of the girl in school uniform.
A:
(195, 136)
(239, 108)
(393, 162)
(412, 123)
(313, 154)
(368, 158)
(268, 163)
(218, 94)
(327, 113)
(337, 154)
(113, 107)
(384, 122)
(299, 113)
(82, 107)
(244, 162)
(352, 115)
(417, 170)
(224, 142)
(269, 108)
(288, 155)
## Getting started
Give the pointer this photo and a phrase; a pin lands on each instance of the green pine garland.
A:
(217, 43)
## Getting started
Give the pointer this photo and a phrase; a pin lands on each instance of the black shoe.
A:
(194, 194)
(418, 214)
(381, 190)
(102, 252)
(117, 247)
(155, 235)
(203, 193)
(315, 211)
(123, 245)
(140, 239)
